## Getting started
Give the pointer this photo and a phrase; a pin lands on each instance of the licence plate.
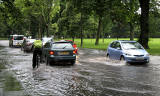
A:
(139, 58)
(63, 53)
(18, 43)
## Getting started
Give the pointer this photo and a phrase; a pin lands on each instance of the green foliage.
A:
(75, 18)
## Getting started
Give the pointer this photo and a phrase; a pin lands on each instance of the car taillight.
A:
(51, 52)
(74, 52)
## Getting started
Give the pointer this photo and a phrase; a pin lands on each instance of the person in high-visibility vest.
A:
(37, 52)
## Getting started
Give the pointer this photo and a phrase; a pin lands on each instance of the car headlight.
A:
(128, 54)
(147, 54)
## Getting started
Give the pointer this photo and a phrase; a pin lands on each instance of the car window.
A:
(62, 46)
(131, 45)
(113, 45)
(70, 42)
(47, 45)
(117, 45)
(31, 40)
(18, 37)
(46, 39)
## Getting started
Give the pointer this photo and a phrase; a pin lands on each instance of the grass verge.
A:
(154, 44)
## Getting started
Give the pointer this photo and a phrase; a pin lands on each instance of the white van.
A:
(16, 40)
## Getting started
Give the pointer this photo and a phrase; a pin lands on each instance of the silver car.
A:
(46, 39)
(130, 51)
(27, 44)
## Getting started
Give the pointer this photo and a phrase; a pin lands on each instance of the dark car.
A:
(27, 44)
(58, 51)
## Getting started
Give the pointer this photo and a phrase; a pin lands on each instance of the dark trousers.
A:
(35, 53)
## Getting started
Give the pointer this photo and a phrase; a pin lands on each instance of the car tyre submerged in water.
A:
(107, 57)
(122, 58)
(73, 62)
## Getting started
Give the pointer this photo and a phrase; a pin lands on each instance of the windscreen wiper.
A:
(64, 47)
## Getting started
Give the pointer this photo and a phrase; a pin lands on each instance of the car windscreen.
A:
(31, 40)
(70, 42)
(131, 45)
(18, 37)
(62, 46)
(46, 39)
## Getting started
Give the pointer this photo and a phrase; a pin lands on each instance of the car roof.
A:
(30, 39)
(61, 42)
(124, 41)
(16, 35)
(69, 40)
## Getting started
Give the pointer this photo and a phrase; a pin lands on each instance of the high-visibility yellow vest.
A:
(37, 44)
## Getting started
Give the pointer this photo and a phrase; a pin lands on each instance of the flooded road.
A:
(92, 75)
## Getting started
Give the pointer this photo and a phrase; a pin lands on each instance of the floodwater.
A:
(92, 75)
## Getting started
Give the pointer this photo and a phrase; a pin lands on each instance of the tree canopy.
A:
(81, 19)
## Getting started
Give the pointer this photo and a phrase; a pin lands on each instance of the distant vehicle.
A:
(130, 51)
(46, 39)
(74, 45)
(16, 40)
(58, 51)
(27, 44)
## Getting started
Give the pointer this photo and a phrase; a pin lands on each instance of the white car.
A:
(16, 40)
(46, 39)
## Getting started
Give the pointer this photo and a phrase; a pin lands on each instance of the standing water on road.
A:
(92, 75)
(9, 86)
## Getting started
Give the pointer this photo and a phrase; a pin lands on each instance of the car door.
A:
(117, 50)
(45, 50)
(111, 49)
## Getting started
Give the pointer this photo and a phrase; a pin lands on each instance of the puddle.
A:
(9, 86)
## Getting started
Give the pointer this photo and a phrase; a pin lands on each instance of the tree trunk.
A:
(103, 34)
(73, 39)
(81, 29)
(47, 30)
(39, 29)
(144, 20)
(99, 30)
(131, 31)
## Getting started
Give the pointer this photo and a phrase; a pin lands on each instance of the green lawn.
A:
(3, 38)
(154, 44)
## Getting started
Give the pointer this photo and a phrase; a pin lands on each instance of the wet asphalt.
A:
(92, 75)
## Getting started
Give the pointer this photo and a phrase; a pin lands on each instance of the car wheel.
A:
(22, 48)
(107, 57)
(32, 49)
(73, 62)
(122, 58)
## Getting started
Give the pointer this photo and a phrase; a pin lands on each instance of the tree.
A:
(144, 23)
(100, 8)
(84, 7)
(131, 7)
